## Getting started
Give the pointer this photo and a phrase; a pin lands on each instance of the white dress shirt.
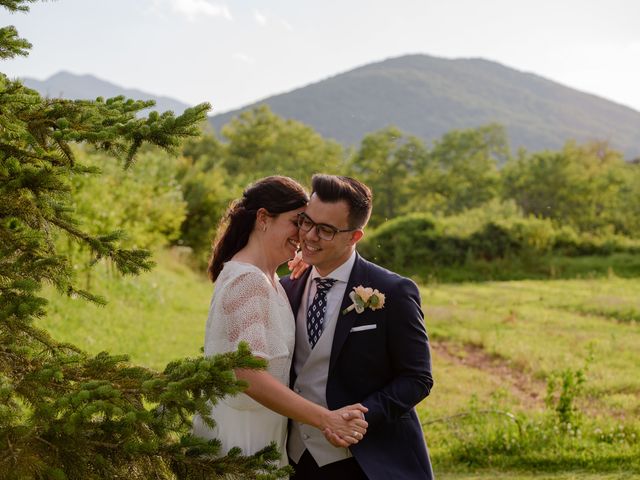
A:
(335, 294)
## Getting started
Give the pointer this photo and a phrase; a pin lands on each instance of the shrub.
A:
(403, 241)
(419, 243)
(493, 241)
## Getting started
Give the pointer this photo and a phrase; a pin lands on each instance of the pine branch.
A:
(11, 45)
(78, 414)
(16, 5)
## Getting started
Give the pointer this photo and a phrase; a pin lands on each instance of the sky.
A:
(237, 52)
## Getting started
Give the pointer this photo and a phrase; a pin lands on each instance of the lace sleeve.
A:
(245, 307)
(244, 313)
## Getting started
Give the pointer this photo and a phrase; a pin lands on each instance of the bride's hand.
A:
(335, 440)
(346, 426)
(297, 266)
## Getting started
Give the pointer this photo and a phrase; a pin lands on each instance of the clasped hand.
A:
(346, 426)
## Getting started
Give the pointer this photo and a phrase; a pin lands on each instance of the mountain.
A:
(88, 87)
(428, 96)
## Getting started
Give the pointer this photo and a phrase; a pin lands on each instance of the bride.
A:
(258, 234)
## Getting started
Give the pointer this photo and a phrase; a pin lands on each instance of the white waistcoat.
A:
(312, 368)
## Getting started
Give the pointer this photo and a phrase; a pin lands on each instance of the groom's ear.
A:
(356, 236)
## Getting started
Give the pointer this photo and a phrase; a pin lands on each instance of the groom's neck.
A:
(325, 269)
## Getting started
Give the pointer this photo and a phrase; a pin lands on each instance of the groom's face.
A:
(327, 255)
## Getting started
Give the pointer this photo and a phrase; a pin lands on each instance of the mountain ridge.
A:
(69, 85)
(421, 95)
(428, 96)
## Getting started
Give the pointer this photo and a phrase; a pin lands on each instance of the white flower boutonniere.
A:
(365, 298)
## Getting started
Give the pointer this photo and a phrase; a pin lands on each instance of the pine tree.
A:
(65, 414)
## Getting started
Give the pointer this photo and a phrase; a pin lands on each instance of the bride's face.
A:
(282, 235)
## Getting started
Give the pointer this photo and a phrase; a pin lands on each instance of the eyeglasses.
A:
(324, 231)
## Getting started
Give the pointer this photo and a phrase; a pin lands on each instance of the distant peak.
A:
(65, 75)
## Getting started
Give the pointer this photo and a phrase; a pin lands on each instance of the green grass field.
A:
(536, 327)
(156, 317)
(498, 343)
(495, 344)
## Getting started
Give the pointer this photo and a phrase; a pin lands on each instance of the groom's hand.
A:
(357, 412)
(335, 439)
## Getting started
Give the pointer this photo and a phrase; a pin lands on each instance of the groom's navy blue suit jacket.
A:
(386, 368)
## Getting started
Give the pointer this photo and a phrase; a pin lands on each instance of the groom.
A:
(379, 357)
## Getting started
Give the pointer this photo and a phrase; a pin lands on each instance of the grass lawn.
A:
(537, 327)
(494, 346)
(155, 318)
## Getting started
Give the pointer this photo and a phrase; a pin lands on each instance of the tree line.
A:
(586, 187)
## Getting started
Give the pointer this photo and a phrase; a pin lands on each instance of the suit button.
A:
(306, 437)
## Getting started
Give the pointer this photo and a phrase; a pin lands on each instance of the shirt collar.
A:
(342, 273)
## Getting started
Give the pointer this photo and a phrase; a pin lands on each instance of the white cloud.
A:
(259, 18)
(286, 25)
(194, 9)
(244, 58)
(263, 19)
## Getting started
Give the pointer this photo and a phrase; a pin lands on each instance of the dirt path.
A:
(529, 391)
(526, 389)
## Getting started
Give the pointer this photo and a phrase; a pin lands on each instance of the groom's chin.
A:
(308, 259)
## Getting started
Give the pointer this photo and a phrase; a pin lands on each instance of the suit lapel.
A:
(294, 291)
(359, 276)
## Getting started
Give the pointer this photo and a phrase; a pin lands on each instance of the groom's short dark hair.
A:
(334, 188)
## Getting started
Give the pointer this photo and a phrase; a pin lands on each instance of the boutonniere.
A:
(365, 298)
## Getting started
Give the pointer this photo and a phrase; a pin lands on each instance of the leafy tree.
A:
(64, 413)
(205, 151)
(260, 143)
(207, 191)
(385, 161)
(207, 188)
(580, 185)
(628, 213)
(461, 170)
(146, 200)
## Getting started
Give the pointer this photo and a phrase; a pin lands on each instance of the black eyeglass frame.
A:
(302, 217)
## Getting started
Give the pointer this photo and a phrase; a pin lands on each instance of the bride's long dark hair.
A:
(276, 194)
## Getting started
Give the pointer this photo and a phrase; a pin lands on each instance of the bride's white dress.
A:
(246, 307)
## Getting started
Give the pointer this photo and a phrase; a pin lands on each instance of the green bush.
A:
(534, 234)
(587, 244)
(502, 248)
(493, 241)
(412, 239)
